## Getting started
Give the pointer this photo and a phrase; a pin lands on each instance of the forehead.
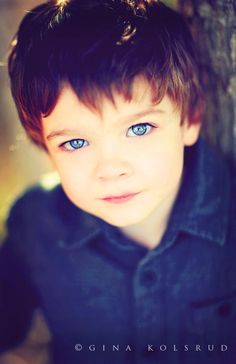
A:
(69, 105)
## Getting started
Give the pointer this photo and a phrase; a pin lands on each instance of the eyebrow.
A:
(62, 132)
(139, 115)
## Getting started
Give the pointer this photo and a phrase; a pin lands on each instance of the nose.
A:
(112, 163)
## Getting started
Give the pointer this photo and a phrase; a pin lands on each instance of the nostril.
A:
(113, 170)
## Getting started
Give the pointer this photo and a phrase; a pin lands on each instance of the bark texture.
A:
(213, 24)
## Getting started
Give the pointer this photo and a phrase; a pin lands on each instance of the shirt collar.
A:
(201, 207)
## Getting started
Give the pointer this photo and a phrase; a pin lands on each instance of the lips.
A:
(120, 199)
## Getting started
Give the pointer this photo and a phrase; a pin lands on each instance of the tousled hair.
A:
(97, 47)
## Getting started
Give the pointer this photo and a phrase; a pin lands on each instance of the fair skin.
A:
(129, 148)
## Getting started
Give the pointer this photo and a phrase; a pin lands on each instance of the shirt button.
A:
(224, 309)
(148, 278)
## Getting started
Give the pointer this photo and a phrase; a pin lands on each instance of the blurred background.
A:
(21, 163)
(214, 28)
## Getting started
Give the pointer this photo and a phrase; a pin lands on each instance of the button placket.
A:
(145, 288)
(148, 278)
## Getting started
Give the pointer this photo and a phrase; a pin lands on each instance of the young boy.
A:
(131, 258)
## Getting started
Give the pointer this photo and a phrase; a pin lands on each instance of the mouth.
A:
(120, 199)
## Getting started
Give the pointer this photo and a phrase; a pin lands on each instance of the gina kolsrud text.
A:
(150, 347)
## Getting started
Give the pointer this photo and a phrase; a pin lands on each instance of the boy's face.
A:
(124, 164)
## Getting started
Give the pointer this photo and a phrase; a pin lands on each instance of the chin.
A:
(123, 221)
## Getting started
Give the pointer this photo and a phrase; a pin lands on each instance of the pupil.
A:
(140, 129)
(76, 143)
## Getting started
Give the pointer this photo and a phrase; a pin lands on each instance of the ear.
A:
(191, 132)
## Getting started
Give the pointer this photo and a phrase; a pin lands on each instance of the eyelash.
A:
(147, 128)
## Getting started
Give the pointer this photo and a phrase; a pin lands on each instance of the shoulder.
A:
(43, 216)
(42, 208)
(227, 252)
(232, 206)
(35, 200)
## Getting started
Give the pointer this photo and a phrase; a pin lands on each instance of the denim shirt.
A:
(107, 299)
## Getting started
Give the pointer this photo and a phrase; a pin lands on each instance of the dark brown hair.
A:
(97, 47)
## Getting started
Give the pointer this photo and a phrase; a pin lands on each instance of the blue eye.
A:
(139, 129)
(74, 144)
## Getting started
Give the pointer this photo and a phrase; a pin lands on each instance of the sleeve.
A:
(18, 297)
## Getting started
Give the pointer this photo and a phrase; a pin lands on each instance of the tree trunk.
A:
(213, 24)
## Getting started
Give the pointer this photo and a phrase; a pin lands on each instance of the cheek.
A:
(74, 177)
(76, 188)
(162, 164)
